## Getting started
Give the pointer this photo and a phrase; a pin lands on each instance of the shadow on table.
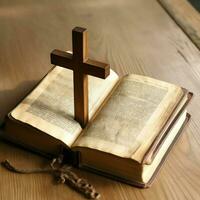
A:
(195, 4)
(10, 98)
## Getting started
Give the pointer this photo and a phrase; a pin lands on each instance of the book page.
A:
(50, 106)
(132, 118)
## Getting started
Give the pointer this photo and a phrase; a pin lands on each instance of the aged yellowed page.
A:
(50, 107)
(132, 117)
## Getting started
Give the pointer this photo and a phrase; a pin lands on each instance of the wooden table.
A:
(134, 36)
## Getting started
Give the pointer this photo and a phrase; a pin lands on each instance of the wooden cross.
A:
(81, 66)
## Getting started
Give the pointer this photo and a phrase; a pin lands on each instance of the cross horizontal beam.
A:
(90, 67)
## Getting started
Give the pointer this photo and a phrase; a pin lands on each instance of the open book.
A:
(133, 121)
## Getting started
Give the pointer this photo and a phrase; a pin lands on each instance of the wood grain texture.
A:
(134, 37)
(186, 16)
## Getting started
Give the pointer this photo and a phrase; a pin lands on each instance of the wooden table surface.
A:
(134, 36)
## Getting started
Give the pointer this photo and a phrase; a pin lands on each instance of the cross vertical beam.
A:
(79, 42)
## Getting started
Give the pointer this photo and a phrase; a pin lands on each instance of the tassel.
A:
(63, 173)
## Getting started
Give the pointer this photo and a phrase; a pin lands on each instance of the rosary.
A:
(63, 173)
